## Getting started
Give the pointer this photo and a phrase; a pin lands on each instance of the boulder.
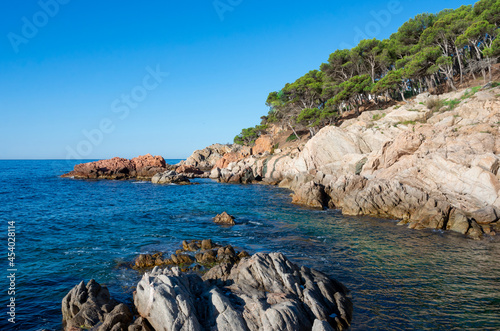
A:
(311, 195)
(91, 306)
(282, 297)
(224, 219)
(144, 261)
(170, 177)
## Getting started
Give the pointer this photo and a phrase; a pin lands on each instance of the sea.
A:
(68, 230)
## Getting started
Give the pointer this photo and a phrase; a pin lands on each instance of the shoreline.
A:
(428, 168)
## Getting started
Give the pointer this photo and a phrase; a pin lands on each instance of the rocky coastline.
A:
(434, 167)
(237, 292)
(429, 166)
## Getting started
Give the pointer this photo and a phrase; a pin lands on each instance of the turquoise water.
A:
(71, 230)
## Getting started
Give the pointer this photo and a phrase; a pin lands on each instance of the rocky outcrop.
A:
(263, 292)
(206, 158)
(170, 177)
(194, 255)
(90, 305)
(189, 171)
(262, 145)
(237, 153)
(142, 167)
(237, 292)
(431, 169)
(224, 219)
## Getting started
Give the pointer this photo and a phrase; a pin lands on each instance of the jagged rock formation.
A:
(263, 292)
(430, 167)
(206, 158)
(91, 306)
(142, 167)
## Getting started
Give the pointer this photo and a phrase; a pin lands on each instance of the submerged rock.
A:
(263, 292)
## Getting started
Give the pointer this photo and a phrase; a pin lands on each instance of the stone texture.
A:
(224, 219)
(263, 292)
(91, 306)
(187, 169)
(263, 144)
(310, 194)
(170, 177)
(236, 154)
(205, 159)
(142, 167)
(402, 162)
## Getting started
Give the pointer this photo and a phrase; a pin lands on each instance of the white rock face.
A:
(263, 292)
(405, 161)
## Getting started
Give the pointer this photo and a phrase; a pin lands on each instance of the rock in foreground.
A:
(263, 292)
(91, 306)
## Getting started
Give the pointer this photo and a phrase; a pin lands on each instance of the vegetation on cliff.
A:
(427, 52)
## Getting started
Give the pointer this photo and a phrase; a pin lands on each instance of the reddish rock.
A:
(119, 168)
(235, 156)
(148, 160)
(262, 144)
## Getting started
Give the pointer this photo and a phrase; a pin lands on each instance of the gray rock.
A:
(169, 177)
(91, 306)
(263, 292)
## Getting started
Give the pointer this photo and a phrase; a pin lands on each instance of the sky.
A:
(98, 79)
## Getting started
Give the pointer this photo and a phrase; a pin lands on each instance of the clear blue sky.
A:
(67, 70)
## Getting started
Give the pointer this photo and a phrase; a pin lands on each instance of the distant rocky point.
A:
(142, 167)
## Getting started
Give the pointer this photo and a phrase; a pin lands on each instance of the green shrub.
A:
(376, 117)
(405, 123)
(292, 137)
(470, 92)
(451, 104)
(434, 104)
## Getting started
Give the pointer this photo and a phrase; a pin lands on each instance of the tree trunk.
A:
(293, 129)
(402, 95)
(489, 69)
(311, 131)
(460, 65)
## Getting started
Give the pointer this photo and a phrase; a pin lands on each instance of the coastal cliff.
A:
(432, 163)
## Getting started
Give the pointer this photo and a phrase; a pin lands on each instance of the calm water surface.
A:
(72, 230)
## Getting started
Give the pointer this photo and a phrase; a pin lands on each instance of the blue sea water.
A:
(71, 230)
